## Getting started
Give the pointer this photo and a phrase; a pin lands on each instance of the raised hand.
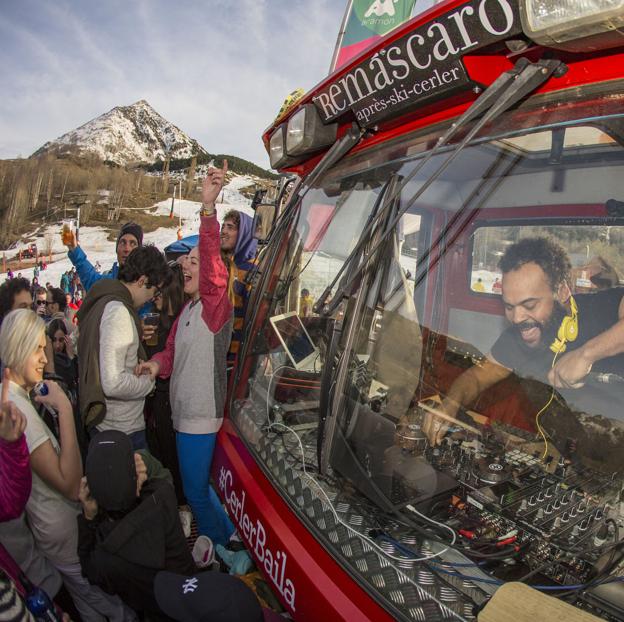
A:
(141, 472)
(12, 420)
(213, 184)
(89, 504)
(69, 347)
(55, 398)
(570, 370)
(69, 240)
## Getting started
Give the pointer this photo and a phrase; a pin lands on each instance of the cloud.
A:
(219, 70)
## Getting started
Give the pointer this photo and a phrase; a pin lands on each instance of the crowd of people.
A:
(113, 391)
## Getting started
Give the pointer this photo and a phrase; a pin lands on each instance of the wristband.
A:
(207, 210)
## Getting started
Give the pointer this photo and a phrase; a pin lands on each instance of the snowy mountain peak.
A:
(127, 135)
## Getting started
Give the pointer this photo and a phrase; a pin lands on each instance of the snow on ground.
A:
(94, 242)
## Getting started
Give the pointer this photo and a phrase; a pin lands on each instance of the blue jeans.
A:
(195, 457)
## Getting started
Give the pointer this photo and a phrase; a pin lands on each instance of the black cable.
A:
(535, 571)
(587, 586)
(603, 576)
(616, 546)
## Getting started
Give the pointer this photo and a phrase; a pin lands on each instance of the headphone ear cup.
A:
(562, 333)
(568, 331)
(571, 328)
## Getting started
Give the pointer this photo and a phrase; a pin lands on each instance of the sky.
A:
(218, 69)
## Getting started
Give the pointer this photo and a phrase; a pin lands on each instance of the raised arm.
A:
(85, 269)
(213, 276)
(60, 471)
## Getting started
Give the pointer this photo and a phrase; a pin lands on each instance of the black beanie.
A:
(133, 229)
(110, 470)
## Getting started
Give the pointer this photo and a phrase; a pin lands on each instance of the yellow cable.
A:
(539, 414)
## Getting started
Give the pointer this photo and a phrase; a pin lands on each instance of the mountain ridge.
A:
(125, 135)
(108, 165)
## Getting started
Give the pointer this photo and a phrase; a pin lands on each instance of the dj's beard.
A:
(548, 329)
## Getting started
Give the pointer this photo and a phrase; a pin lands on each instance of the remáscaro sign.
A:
(421, 67)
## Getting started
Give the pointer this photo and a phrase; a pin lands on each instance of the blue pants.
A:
(195, 457)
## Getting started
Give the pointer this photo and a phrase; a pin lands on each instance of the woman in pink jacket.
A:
(195, 360)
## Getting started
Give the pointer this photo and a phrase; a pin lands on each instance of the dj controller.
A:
(552, 518)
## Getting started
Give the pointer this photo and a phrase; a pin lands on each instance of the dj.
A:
(554, 337)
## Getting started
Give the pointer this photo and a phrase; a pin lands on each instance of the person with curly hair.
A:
(553, 336)
(109, 345)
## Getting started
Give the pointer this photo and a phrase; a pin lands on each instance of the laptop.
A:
(298, 345)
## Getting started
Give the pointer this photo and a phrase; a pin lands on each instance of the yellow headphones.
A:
(568, 331)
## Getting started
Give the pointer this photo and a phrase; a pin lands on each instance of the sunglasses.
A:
(41, 302)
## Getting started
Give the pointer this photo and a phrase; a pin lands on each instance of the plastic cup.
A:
(151, 319)
(67, 232)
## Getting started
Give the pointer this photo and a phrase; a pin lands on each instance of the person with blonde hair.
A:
(56, 465)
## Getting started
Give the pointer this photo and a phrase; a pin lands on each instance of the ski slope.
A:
(94, 242)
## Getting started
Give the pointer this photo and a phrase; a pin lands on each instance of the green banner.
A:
(378, 17)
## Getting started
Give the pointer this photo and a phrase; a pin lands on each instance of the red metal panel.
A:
(305, 577)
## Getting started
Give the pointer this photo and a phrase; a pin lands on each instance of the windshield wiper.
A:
(509, 88)
(379, 209)
(333, 155)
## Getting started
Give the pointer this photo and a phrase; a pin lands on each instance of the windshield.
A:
(463, 399)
